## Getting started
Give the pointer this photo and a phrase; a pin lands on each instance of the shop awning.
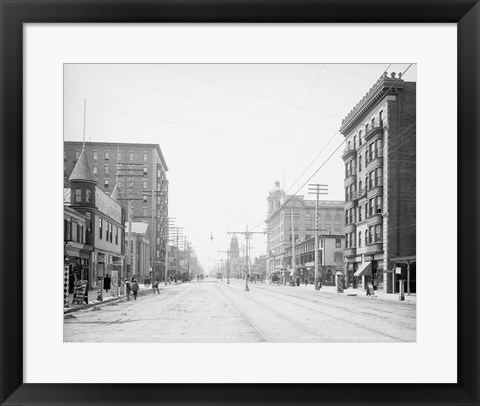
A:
(364, 269)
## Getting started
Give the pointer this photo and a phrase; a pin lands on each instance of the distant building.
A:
(380, 185)
(137, 171)
(104, 229)
(330, 259)
(140, 249)
(279, 224)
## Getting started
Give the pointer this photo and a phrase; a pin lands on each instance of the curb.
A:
(105, 302)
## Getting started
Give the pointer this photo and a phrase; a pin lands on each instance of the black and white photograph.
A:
(239, 203)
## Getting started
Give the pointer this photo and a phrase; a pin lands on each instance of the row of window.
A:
(106, 155)
(108, 227)
(368, 126)
(373, 150)
(372, 235)
(372, 207)
(106, 170)
(73, 231)
(372, 179)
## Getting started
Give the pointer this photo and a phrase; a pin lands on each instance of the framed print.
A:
(180, 123)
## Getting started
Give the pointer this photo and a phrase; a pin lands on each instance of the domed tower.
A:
(275, 198)
(234, 250)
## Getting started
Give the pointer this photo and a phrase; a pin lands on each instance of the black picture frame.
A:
(465, 13)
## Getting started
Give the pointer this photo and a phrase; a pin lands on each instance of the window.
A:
(337, 223)
(78, 196)
(366, 210)
(378, 148)
(338, 243)
(366, 237)
(380, 118)
(106, 183)
(158, 200)
(144, 211)
(346, 217)
(378, 177)
(360, 137)
(144, 198)
(371, 179)
(66, 230)
(145, 156)
(100, 227)
(373, 122)
(360, 163)
(111, 232)
(89, 221)
(107, 231)
(366, 129)
(95, 155)
(144, 170)
(354, 141)
(130, 156)
(371, 151)
(107, 155)
(360, 186)
(371, 206)
(106, 169)
(88, 195)
(119, 156)
(371, 234)
(95, 170)
(328, 222)
(144, 184)
(378, 204)
(359, 239)
(378, 233)
(359, 213)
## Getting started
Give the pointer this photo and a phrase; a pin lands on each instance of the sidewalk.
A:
(360, 292)
(108, 297)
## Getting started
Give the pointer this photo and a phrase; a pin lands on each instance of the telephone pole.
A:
(228, 265)
(248, 236)
(317, 189)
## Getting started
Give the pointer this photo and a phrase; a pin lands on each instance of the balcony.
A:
(359, 194)
(350, 228)
(375, 190)
(378, 130)
(350, 179)
(374, 248)
(349, 151)
(350, 252)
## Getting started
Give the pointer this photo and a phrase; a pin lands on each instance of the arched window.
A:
(337, 224)
(328, 223)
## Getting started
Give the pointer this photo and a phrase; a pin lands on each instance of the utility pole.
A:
(317, 189)
(170, 221)
(228, 265)
(248, 237)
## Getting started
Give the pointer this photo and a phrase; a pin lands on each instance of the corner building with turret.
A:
(380, 187)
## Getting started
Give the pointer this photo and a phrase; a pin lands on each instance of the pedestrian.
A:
(155, 287)
(71, 283)
(306, 281)
(368, 290)
(107, 281)
(135, 289)
(128, 288)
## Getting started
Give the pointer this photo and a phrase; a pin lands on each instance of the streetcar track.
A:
(257, 330)
(374, 312)
(359, 325)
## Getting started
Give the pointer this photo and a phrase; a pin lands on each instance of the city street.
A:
(213, 311)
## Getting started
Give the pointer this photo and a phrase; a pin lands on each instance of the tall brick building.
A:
(380, 185)
(137, 172)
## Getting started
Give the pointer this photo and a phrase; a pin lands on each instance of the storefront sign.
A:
(398, 270)
(80, 292)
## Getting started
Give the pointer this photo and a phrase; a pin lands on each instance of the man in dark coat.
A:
(107, 281)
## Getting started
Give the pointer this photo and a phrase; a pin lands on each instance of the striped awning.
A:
(364, 269)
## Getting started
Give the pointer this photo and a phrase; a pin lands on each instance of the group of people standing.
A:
(133, 287)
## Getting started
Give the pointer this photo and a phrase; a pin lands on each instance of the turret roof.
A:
(82, 170)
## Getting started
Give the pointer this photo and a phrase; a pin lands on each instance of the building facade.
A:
(380, 184)
(331, 218)
(138, 172)
(140, 249)
(104, 222)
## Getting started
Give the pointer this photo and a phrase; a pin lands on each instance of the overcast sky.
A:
(227, 132)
